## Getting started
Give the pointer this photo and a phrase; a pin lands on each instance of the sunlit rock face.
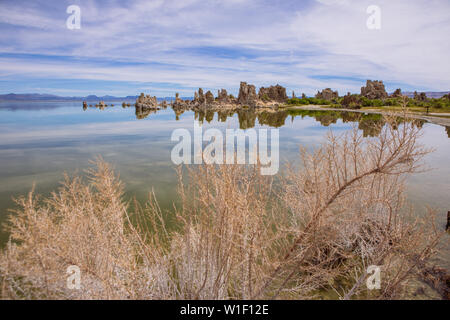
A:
(273, 93)
(268, 97)
(327, 94)
(146, 101)
(374, 90)
(180, 104)
(209, 98)
(200, 96)
(397, 93)
(247, 94)
(222, 96)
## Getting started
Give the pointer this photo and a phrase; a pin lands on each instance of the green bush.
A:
(365, 102)
(297, 101)
(357, 101)
(304, 101)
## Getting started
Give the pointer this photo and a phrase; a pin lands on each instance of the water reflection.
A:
(33, 105)
(370, 124)
(142, 113)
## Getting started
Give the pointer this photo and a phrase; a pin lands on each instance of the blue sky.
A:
(165, 46)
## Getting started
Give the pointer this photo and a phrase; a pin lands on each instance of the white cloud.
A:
(410, 47)
(333, 2)
(290, 42)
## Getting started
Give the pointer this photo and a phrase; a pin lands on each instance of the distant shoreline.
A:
(51, 98)
(10, 97)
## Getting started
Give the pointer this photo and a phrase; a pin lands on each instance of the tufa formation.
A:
(374, 90)
(327, 94)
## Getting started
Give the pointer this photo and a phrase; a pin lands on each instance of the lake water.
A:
(41, 140)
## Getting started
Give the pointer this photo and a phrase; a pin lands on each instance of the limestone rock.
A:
(146, 101)
(327, 94)
(222, 96)
(247, 94)
(179, 104)
(201, 96)
(101, 105)
(273, 93)
(397, 93)
(209, 97)
(374, 90)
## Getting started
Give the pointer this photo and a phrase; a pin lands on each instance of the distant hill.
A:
(430, 94)
(51, 97)
(93, 98)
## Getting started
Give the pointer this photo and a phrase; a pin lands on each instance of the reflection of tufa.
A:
(101, 105)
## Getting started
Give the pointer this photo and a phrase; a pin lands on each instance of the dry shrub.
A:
(238, 234)
(228, 232)
(78, 225)
(82, 224)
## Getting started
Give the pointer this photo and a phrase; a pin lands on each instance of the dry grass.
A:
(238, 235)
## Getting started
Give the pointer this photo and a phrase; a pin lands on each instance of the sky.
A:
(165, 46)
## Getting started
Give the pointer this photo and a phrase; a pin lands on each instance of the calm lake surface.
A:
(41, 140)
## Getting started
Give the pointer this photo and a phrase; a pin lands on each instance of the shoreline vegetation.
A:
(308, 233)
